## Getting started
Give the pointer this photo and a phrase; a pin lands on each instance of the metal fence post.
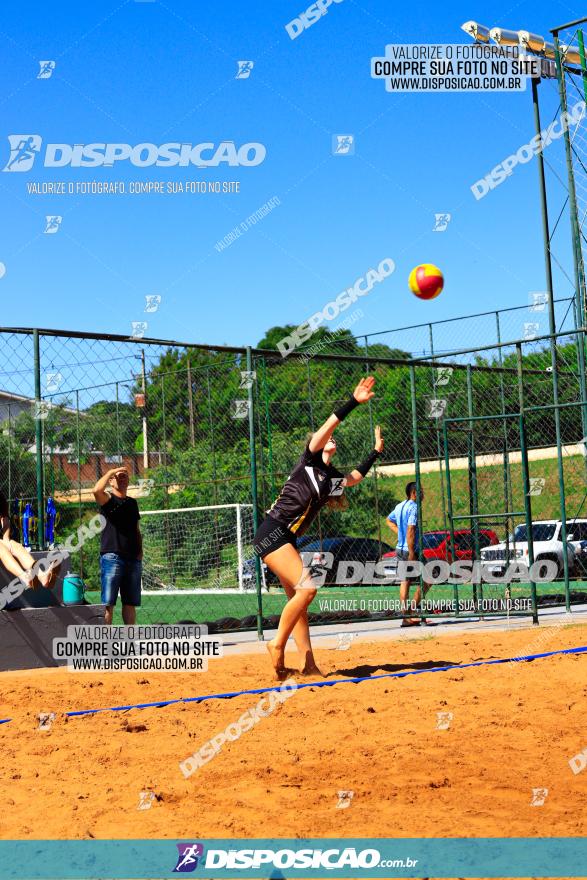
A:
(118, 452)
(311, 413)
(213, 449)
(438, 440)
(39, 444)
(79, 480)
(191, 402)
(417, 469)
(268, 424)
(375, 474)
(526, 479)
(239, 547)
(553, 353)
(507, 482)
(579, 267)
(473, 493)
(145, 426)
(9, 445)
(254, 493)
(450, 509)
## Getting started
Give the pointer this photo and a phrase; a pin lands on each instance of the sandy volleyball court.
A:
(514, 728)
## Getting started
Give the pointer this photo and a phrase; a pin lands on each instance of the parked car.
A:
(437, 545)
(342, 548)
(581, 559)
(547, 545)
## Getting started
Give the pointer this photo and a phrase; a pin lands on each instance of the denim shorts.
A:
(120, 575)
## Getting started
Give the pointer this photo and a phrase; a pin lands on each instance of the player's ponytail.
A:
(338, 502)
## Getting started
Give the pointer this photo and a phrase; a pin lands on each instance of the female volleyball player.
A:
(16, 559)
(313, 483)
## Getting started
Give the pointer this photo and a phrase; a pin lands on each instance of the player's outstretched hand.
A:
(364, 390)
(378, 439)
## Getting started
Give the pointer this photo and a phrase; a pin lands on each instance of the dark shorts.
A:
(270, 536)
(403, 556)
(120, 575)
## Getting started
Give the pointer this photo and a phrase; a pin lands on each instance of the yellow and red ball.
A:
(426, 281)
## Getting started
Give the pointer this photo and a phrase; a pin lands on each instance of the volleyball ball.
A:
(426, 281)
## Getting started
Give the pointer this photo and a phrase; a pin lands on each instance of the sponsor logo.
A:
(283, 859)
(189, 855)
(24, 149)
(343, 145)
(306, 19)
(244, 69)
(46, 69)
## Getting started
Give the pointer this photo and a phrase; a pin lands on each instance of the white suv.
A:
(547, 544)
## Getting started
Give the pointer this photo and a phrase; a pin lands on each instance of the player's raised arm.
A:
(99, 490)
(361, 471)
(362, 393)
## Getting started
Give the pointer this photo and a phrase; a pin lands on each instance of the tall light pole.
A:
(537, 45)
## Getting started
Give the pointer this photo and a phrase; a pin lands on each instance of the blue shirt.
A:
(403, 515)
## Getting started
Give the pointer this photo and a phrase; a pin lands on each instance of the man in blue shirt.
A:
(403, 522)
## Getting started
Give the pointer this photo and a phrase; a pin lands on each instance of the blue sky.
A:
(136, 72)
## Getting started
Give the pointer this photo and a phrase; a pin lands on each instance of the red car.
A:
(436, 545)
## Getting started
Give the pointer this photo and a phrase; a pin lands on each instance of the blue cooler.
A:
(73, 589)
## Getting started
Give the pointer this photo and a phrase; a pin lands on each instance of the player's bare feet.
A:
(311, 669)
(277, 660)
(309, 666)
(48, 578)
(411, 621)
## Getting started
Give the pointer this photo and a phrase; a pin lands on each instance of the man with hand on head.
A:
(121, 550)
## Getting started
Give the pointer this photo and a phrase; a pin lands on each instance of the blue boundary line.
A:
(314, 684)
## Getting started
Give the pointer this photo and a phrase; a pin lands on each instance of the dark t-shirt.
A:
(120, 533)
(308, 488)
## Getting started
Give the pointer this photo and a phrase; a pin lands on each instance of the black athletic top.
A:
(308, 488)
(120, 532)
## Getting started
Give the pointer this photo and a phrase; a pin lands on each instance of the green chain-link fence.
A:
(189, 422)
